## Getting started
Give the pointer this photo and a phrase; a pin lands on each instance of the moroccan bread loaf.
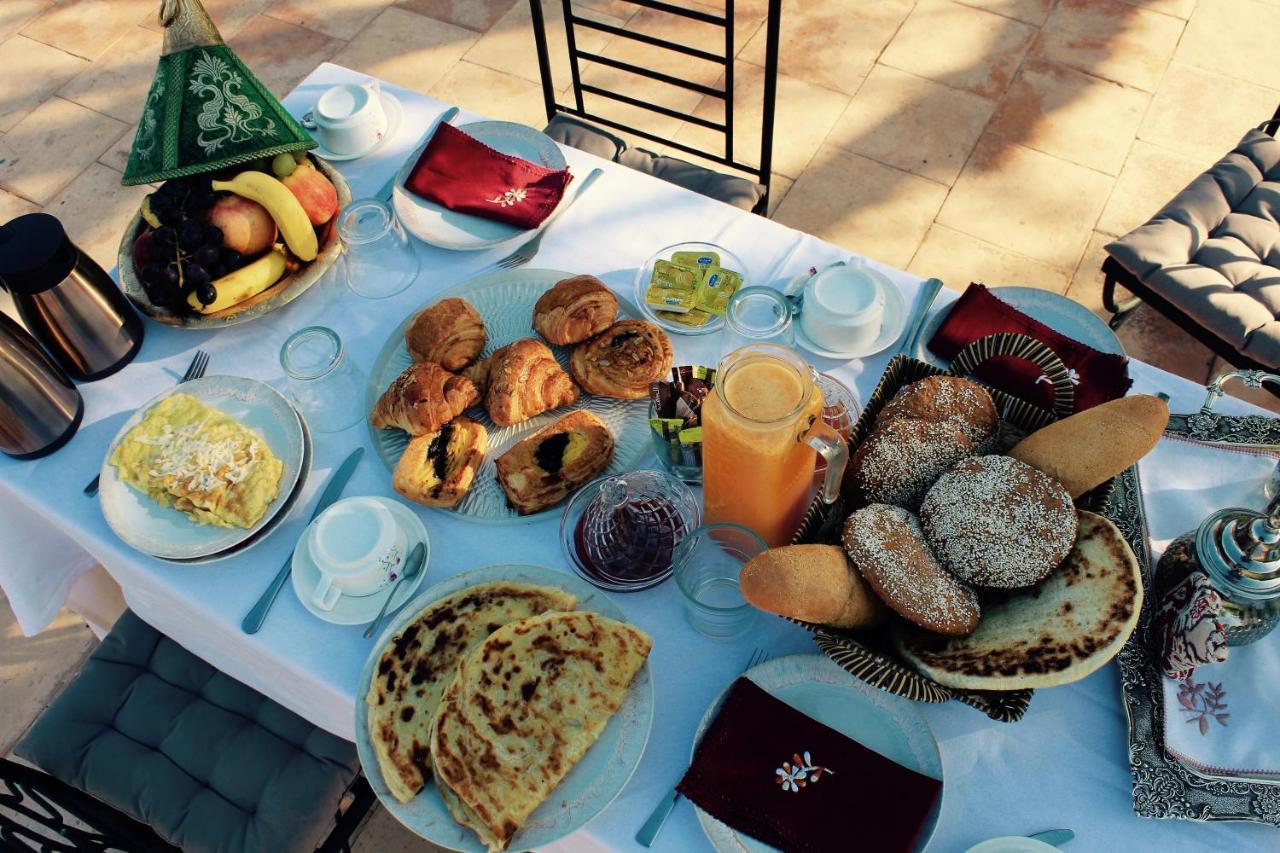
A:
(1054, 633)
(960, 402)
(1089, 448)
(811, 583)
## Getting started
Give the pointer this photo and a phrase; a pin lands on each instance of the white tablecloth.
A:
(1063, 765)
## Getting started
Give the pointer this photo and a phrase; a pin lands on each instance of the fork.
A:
(199, 363)
(649, 832)
(525, 253)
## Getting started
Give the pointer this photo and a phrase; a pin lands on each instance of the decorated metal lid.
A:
(206, 110)
(1240, 549)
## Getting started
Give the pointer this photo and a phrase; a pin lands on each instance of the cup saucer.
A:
(395, 116)
(352, 610)
(891, 326)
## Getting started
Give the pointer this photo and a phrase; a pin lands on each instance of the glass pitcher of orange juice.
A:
(761, 432)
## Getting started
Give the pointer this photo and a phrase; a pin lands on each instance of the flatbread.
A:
(1056, 632)
(422, 659)
(525, 707)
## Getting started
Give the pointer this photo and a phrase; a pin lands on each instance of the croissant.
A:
(449, 333)
(422, 399)
(544, 468)
(439, 468)
(623, 360)
(575, 309)
(524, 379)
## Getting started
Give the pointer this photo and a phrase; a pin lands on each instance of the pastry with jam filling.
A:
(438, 469)
(544, 468)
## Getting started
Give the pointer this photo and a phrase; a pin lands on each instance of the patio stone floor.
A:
(1003, 141)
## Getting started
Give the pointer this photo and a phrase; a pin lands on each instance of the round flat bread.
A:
(422, 659)
(1056, 632)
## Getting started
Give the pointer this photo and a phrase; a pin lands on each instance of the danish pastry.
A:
(449, 333)
(544, 468)
(575, 309)
(437, 469)
(422, 399)
(524, 379)
(622, 360)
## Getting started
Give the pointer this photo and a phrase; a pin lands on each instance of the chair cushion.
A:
(1214, 250)
(730, 189)
(576, 133)
(209, 764)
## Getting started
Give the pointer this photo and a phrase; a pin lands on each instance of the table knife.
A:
(928, 293)
(332, 491)
(1056, 837)
(384, 194)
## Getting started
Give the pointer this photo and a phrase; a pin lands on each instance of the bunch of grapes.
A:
(190, 252)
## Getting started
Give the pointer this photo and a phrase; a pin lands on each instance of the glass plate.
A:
(505, 300)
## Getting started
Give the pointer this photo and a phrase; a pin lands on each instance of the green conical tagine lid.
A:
(206, 110)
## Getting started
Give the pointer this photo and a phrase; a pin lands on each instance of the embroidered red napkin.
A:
(463, 174)
(783, 778)
(1098, 376)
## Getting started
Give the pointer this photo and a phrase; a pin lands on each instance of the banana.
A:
(148, 214)
(284, 207)
(250, 280)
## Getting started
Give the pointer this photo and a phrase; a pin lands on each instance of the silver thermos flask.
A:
(39, 407)
(66, 300)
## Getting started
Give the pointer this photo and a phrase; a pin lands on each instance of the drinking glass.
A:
(707, 563)
(325, 385)
(757, 315)
(378, 260)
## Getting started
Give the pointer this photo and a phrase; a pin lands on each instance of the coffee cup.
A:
(843, 307)
(348, 119)
(356, 545)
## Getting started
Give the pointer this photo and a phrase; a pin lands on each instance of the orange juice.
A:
(757, 461)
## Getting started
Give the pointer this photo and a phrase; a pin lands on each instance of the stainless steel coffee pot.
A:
(68, 302)
(39, 407)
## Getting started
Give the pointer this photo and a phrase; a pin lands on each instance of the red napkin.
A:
(463, 174)
(785, 779)
(1098, 376)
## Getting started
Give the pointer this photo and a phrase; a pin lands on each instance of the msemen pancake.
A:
(422, 659)
(200, 461)
(526, 705)
(1053, 633)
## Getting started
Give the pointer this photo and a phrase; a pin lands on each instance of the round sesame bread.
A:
(887, 547)
(996, 522)
(898, 461)
(1054, 633)
(951, 399)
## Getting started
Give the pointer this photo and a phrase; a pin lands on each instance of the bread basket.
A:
(869, 655)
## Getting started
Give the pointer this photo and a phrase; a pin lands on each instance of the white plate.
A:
(892, 323)
(589, 787)
(282, 514)
(448, 229)
(505, 300)
(1053, 309)
(1012, 844)
(169, 534)
(359, 610)
(395, 115)
(815, 686)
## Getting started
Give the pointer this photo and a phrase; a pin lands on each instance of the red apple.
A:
(145, 249)
(313, 191)
(246, 226)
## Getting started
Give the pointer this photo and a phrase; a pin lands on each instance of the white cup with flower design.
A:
(348, 119)
(357, 547)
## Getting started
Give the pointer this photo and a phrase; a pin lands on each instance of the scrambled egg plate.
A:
(200, 461)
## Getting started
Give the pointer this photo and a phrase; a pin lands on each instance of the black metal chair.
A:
(1117, 274)
(567, 123)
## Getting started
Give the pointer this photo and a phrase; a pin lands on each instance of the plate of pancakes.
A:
(503, 708)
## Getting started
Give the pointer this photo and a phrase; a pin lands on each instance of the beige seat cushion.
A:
(1214, 250)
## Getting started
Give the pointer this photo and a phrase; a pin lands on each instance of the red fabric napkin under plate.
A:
(1098, 376)
(463, 174)
(781, 777)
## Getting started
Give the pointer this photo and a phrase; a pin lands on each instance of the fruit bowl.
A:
(284, 291)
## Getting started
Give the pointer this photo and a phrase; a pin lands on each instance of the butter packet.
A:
(697, 260)
(716, 289)
(668, 299)
(674, 276)
(693, 318)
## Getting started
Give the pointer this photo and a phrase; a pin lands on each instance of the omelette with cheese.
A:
(200, 461)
